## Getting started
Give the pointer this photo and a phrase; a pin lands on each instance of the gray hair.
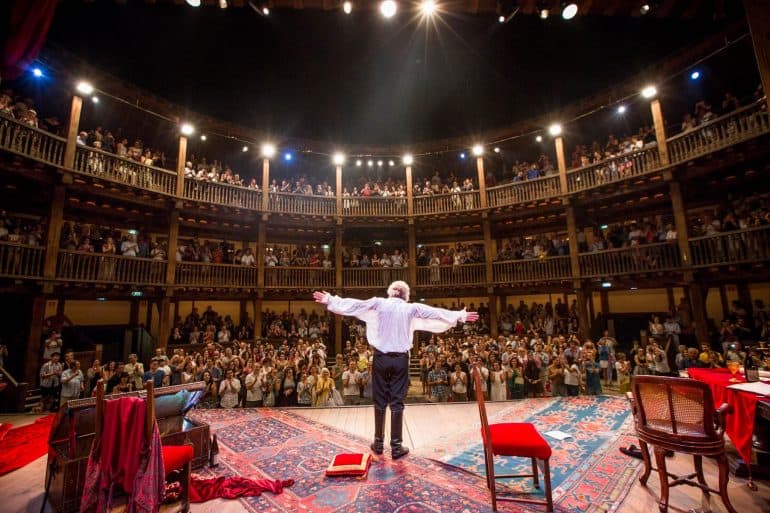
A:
(399, 289)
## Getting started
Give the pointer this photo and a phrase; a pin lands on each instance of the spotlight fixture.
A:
(379, 163)
(478, 150)
(544, 14)
(268, 150)
(203, 137)
(388, 8)
(85, 87)
(555, 129)
(370, 163)
(462, 155)
(497, 149)
(223, 4)
(649, 92)
(408, 159)
(347, 7)
(37, 72)
(359, 163)
(245, 149)
(644, 9)
(95, 99)
(428, 7)
(695, 75)
(569, 10)
(338, 159)
(621, 109)
(266, 11)
(193, 3)
(288, 156)
(501, 19)
(539, 138)
(391, 163)
(187, 129)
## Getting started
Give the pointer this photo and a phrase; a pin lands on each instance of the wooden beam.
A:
(758, 18)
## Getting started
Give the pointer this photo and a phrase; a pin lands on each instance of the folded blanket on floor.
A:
(202, 490)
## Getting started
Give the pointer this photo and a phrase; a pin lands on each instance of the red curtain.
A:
(26, 31)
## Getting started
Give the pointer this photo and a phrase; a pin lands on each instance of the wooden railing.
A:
(223, 194)
(299, 278)
(95, 267)
(361, 206)
(661, 256)
(611, 170)
(198, 274)
(21, 261)
(739, 125)
(107, 166)
(31, 142)
(532, 270)
(524, 192)
(740, 246)
(461, 275)
(302, 204)
(447, 203)
(372, 277)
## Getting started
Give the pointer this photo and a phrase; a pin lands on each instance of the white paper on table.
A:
(756, 387)
(558, 435)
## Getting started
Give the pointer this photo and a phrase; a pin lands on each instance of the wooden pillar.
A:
(744, 296)
(338, 185)
(33, 353)
(265, 185)
(53, 235)
(257, 317)
(581, 297)
(72, 132)
(561, 163)
(133, 315)
(758, 18)
(148, 320)
(411, 236)
(604, 297)
(698, 305)
(261, 249)
(670, 298)
(338, 277)
(723, 300)
(409, 193)
(680, 222)
(337, 334)
(660, 131)
(493, 317)
(482, 181)
(173, 239)
(574, 259)
(180, 164)
(242, 310)
(164, 321)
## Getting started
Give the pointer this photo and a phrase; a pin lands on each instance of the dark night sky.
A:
(360, 78)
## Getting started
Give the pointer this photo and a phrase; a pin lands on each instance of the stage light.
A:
(288, 156)
(428, 7)
(338, 159)
(391, 163)
(539, 138)
(606, 284)
(388, 8)
(555, 129)
(187, 129)
(695, 75)
(37, 72)
(359, 163)
(644, 9)
(223, 4)
(95, 99)
(203, 137)
(85, 87)
(408, 159)
(193, 3)
(347, 7)
(268, 150)
(478, 150)
(649, 92)
(245, 149)
(266, 11)
(462, 155)
(370, 163)
(497, 149)
(544, 14)
(379, 163)
(569, 11)
(501, 19)
(621, 109)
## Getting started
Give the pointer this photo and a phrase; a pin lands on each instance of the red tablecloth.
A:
(739, 425)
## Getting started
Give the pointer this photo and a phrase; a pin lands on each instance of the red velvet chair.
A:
(177, 459)
(518, 439)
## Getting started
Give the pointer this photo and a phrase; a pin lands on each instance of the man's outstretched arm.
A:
(345, 306)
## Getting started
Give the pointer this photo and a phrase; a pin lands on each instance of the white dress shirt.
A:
(390, 322)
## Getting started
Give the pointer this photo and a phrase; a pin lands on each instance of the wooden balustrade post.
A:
(577, 284)
(411, 236)
(257, 317)
(660, 131)
(173, 240)
(698, 305)
(561, 164)
(338, 192)
(581, 297)
(493, 317)
(490, 251)
(164, 321)
(34, 340)
(181, 160)
(72, 131)
(338, 232)
(261, 249)
(758, 18)
(482, 181)
(265, 184)
(680, 221)
(53, 235)
(337, 334)
(409, 194)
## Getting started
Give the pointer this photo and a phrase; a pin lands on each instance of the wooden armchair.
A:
(676, 414)
(177, 459)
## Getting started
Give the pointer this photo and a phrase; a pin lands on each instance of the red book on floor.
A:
(356, 465)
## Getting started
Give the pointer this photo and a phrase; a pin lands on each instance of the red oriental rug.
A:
(25, 444)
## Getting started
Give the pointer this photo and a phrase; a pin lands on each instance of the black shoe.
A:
(632, 451)
(397, 450)
(378, 446)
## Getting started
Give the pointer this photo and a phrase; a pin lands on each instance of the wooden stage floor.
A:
(22, 490)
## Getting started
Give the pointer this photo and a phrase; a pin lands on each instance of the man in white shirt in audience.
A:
(350, 389)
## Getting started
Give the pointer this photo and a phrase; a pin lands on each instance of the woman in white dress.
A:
(498, 383)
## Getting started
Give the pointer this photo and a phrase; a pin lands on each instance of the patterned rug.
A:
(273, 444)
(588, 472)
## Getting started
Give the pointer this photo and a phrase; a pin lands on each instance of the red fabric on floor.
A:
(24, 444)
(202, 490)
(4, 428)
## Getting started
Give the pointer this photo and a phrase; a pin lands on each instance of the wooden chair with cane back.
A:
(516, 439)
(677, 414)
